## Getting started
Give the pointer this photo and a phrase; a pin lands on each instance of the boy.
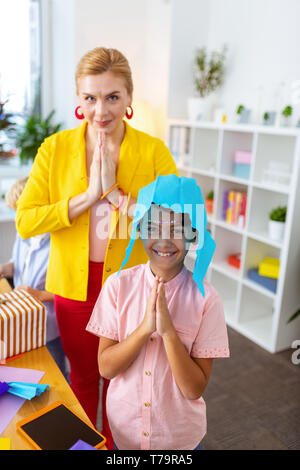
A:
(160, 326)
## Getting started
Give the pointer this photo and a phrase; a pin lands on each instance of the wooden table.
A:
(59, 390)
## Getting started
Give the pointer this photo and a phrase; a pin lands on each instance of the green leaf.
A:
(278, 214)
(33, 133)
(208, 71)
(295, 315)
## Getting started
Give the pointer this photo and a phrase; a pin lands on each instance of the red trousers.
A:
(81, 348)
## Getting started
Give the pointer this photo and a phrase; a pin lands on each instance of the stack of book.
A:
(242, 164)
(234, 207)
(266, 274)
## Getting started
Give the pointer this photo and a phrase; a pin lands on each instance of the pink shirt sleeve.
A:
(212, 339)
(104, 318)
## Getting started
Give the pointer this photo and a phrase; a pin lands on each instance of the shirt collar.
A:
(173, 283)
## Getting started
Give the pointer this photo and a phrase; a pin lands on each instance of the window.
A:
(20, 56)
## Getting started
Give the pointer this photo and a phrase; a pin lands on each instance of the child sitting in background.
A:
(28, 268)
(160, 326)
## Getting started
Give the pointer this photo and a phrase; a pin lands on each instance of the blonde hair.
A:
(101, 60)
(13, 194)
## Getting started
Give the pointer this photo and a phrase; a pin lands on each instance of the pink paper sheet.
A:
(10, 404)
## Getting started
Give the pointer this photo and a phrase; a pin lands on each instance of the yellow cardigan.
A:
(58, 174)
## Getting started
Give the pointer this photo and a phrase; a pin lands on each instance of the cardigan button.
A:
(110, 246)
(108, 270)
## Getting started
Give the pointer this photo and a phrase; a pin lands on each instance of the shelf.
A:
(258, 288)
(261, 205)
(231, 227)
(267, 187)
(234, 179)
(258, 330)
(205, 149)
(264, 238)
(251, 309)
(225, 268)
(269, 130)
(199, 171)
(229, 307)
(227, 288)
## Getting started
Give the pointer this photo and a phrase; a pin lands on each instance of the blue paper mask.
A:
(181, 195)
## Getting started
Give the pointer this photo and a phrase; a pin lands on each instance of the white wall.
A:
(159, 38)
(138, 28)
(188, 31)
(263, 38)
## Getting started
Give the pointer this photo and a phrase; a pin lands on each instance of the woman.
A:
(104, 157)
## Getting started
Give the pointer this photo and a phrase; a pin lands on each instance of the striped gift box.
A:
(22, 323)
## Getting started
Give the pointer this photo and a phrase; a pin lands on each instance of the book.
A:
(234, 207)
(242, 215)
(230, 206)
(237, 208)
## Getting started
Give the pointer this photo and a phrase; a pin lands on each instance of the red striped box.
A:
(22, 323)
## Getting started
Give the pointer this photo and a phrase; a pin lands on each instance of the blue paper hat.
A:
(181, 194)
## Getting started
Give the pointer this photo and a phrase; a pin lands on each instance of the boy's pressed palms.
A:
(164, 324)
(149, 321)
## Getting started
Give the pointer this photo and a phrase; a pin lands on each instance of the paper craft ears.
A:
(181, 194)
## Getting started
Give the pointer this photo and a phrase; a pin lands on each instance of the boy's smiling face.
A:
(166, 240)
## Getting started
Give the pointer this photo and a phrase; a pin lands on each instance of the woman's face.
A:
(103, 100)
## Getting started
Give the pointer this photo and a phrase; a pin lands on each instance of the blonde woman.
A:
(103, 158)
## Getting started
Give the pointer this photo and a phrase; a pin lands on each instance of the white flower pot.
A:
(198, 108)
(286, 121)
(276, 230)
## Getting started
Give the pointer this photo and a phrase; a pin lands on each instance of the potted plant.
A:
(286, 115)
(269, 118)
(243, 114)
(208, 74)
(32, 135)
(209, 202)
(6, 127)
(277, 218)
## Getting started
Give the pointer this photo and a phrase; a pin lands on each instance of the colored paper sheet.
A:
(81, 445)
(10, 404)
(26, 390)
(4, 443)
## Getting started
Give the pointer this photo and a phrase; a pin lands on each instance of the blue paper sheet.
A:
(181, 194)
(26, 390)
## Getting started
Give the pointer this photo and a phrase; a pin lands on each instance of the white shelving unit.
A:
(9, 173)
(207, 154)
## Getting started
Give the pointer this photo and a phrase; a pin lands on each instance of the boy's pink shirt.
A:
(145, 407)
